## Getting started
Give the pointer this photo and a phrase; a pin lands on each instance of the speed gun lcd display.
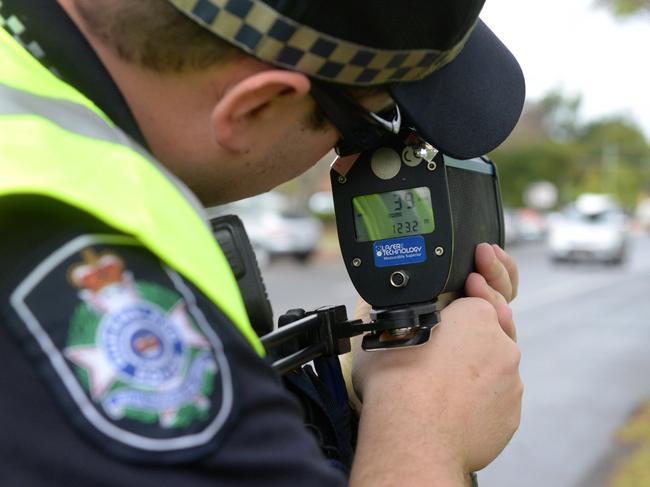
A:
(393, 214)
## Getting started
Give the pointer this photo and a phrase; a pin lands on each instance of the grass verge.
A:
(633, 469)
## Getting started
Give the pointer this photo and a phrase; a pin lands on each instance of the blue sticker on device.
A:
(399, 251)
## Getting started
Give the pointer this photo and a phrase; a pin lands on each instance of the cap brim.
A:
(469, 107)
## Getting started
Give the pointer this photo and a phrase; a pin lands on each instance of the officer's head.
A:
(237, 96)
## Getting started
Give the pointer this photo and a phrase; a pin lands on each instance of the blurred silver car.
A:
(274, 227)
(593, 228)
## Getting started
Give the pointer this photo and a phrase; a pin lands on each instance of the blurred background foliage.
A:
(610, 155)
(624, 8)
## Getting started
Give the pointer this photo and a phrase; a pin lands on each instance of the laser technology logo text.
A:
(399, 251)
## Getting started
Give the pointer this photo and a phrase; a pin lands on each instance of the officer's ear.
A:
(259, 108)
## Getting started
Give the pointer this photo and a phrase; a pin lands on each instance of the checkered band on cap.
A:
(265, 33)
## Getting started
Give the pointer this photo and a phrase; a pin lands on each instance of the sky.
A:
(579, 48)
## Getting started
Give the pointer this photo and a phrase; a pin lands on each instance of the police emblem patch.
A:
(136, 348)
(128, 344)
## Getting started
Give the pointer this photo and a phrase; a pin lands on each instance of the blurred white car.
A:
(593, 228)
(274, 227)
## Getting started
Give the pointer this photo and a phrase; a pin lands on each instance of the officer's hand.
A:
(496, 281)
(434, 413)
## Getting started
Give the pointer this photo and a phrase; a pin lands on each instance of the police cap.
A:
(451, 76)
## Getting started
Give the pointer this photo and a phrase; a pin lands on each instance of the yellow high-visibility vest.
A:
(55, 142)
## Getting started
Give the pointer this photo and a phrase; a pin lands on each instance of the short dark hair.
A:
(147, 32)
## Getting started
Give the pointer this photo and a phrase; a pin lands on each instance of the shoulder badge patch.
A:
(128, 344)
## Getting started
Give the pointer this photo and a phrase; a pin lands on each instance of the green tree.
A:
(524, 164)
(541, 148)
(609, 155)
(627, 8)
(615, 159)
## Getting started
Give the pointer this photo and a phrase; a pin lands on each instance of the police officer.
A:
(127, 355)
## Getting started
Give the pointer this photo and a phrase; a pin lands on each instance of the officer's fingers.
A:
(493, 270)
(476, 286)
(504, 313)
(511, 266)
